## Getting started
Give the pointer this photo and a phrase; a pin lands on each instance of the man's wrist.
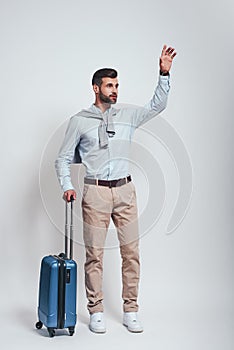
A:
(164, 73)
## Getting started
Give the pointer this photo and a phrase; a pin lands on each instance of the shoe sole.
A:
(133, 331)
(99, 331)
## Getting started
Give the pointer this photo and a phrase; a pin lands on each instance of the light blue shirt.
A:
(111, 162)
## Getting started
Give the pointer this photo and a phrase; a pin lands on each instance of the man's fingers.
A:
(164, 49)
(70, 196)
(169, 50)
(67, 195)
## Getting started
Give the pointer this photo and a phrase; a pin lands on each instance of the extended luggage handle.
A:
(71, 229)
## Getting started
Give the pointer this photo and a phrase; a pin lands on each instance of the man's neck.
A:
(102, 106)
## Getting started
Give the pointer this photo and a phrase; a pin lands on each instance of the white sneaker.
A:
(97, 323)
(131, 321)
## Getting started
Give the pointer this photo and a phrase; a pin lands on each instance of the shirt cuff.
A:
(67, 185)
(164, 78)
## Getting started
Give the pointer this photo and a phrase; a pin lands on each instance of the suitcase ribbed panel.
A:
(48, 294)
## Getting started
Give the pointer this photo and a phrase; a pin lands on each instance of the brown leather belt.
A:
(108, 183)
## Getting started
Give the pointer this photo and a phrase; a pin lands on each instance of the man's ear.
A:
(96, 88)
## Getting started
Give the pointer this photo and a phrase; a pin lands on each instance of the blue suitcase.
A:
(57, 289)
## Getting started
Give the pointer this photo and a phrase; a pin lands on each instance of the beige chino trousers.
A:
(99, 205)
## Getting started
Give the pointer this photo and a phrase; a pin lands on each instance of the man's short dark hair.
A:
(103, 73)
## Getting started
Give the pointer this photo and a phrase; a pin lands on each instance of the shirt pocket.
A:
(85, 190)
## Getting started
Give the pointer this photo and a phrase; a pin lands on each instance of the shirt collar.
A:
(97, 110)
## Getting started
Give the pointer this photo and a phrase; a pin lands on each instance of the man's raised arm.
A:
(159, 100)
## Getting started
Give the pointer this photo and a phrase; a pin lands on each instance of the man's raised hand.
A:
(166, 58)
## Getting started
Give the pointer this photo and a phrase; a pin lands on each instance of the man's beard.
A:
(107, 99)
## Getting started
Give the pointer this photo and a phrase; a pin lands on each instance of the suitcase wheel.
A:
(39, 325)
(71, 330)
(51, 332)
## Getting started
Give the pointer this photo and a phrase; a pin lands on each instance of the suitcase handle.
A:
(71, 229)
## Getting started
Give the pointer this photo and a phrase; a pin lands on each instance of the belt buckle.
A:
(110, 184)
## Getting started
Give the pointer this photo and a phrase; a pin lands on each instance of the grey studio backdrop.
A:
(49, 50)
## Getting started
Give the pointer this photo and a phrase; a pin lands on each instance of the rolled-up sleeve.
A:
(156, 105)
(66, 154)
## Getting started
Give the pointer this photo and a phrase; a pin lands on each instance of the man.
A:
(101, 136)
